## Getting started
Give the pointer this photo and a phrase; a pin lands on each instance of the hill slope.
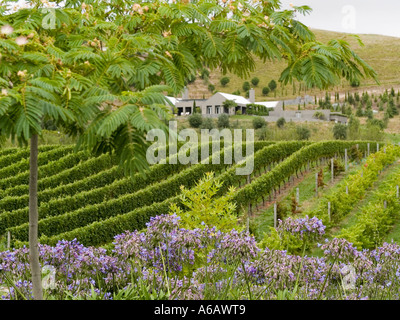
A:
(381, 52)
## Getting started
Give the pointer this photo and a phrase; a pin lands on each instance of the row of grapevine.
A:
(267, 183)
(102, 186)
(342, 202)
(375, 219)
(143, 200)
(43, 159)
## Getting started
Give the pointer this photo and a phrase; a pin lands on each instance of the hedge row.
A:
(102, 232)
(11, 155)
(270, 181)
(78, 172)
(100, 179)
(374, 221)
(265, 157)
(357, 184)
(43, 159)
(98, 234)
(156, 173)
(81, 217)
(51, 168)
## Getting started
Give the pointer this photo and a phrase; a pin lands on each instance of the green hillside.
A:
(381, 52)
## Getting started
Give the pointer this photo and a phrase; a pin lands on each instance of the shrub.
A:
(195, 120)
(303, 133)
(340, 131)
(319, 115)
(208, 123)
(255, 81)
(223, 121)
(205, 74)
(224, 81)
(265, 91)
(272, 85)
(355, 83)
(338, 167)
(281, 122)
(218, 211)
(229, 103)
(246, 86)
(237, 92)
(259, 122)
(211, 87)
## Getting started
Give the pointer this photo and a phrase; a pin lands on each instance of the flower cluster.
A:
(304, 228)
(166, 261)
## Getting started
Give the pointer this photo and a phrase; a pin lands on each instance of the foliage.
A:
(303, 133)
(319, 115)
(255, 81)
(265, 91)
(202, 208)
(357, 184)
(229, 103)
(246, 86)
(208, 123)
(165, 261)
(224, 81)
(195, 120)
(223, 121)
(271, 180)
(281, 122)
(272, 85)
(259, 122)
(374, 221)
(338, 167)
(340, 131)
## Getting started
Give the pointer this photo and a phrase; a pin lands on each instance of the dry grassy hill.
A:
(381, 52)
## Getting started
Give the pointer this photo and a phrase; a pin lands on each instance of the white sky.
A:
(352, 16)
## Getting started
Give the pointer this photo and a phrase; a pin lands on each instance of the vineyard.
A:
(90, 198)
(91, 213)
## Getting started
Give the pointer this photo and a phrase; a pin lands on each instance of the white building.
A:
(214, 105)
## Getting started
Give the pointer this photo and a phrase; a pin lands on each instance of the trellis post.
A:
(329, 211)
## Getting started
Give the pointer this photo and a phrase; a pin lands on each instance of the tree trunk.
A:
(33, 221)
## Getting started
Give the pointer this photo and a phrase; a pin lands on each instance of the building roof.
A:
(173, 100)
(237, 99)
(268, 104)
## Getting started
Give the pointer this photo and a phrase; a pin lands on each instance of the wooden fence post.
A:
(345, 159)
(329, 211)
(275, 215)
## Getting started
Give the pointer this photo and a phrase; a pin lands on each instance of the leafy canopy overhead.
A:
(100, 69)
